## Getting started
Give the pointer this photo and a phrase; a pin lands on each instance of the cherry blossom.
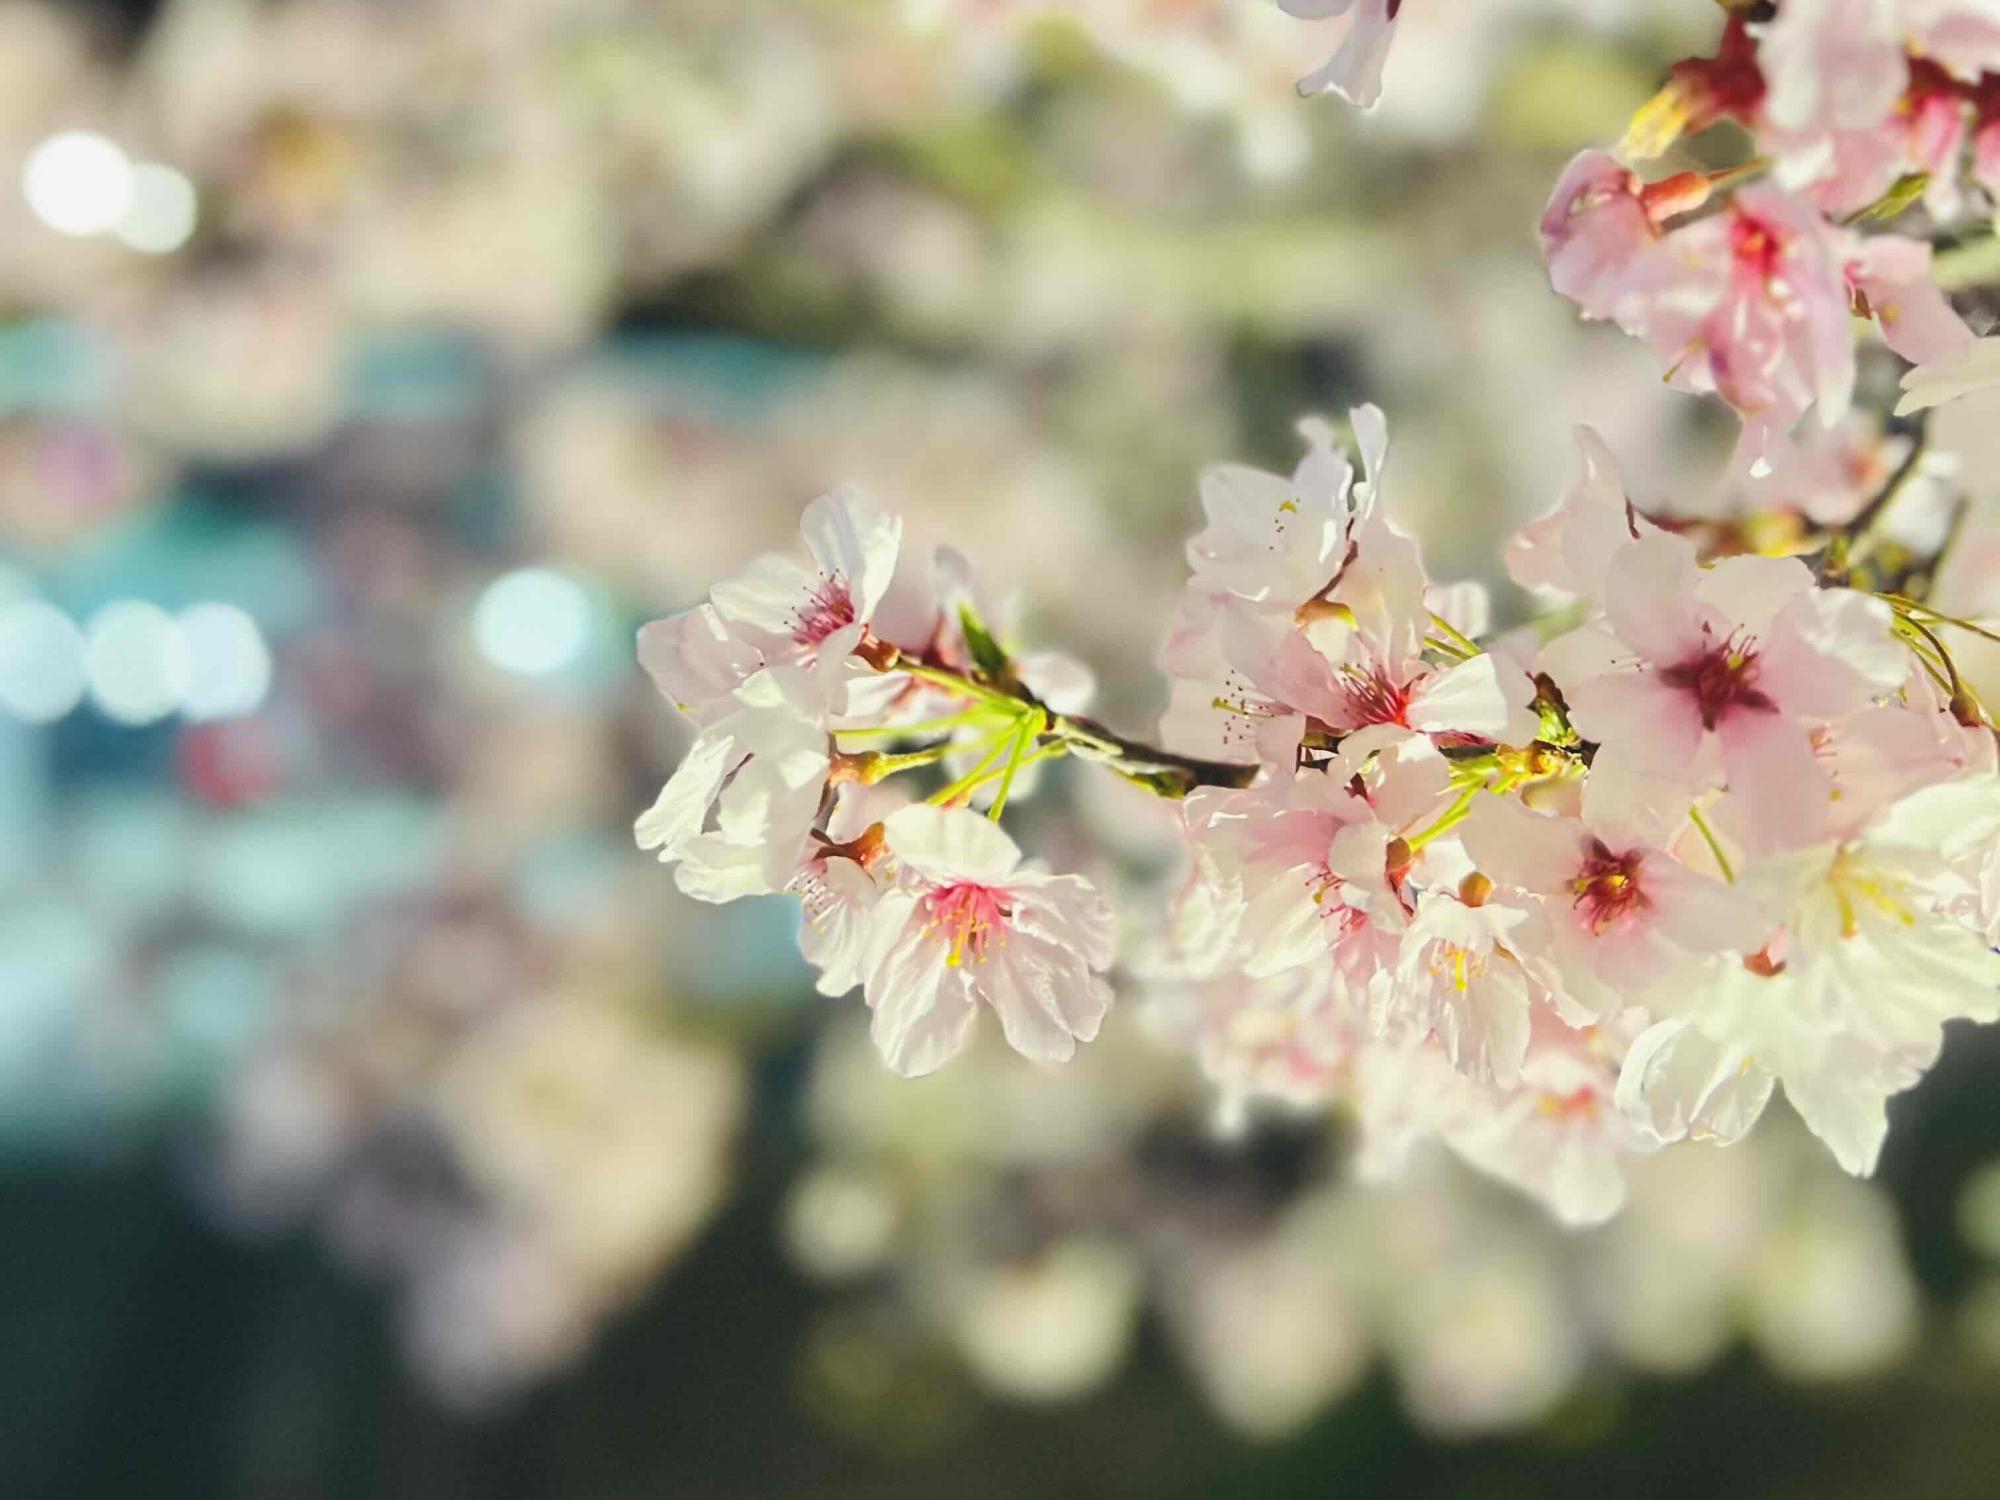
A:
(1720, 676)
(1625, 917)
(762, 769)
(1600, 218)
(965, 922)
(1307, 611)
(1462, 977)
(1847, 1007)
(778, 612)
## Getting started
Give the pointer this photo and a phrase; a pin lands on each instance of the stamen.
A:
(973, 917)
(1607, 886)
(829, 608)
(1721, 678)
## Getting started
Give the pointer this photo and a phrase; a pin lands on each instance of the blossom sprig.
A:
(816, 692)
(1549, 900)
(1746, 282)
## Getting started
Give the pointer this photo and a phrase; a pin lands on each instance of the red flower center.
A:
(1372, 697)
(1729, 85)
(1579, 1105)
(969, 915)
(1721, 678)
(827, 609)
(1759, 247)
(1607, 886)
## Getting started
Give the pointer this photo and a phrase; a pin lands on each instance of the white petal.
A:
(682, 807)
(947, 845)
(1469, 698)
(1678, 1083)
(1844, 1112)
(850, 541)
(923, 1012)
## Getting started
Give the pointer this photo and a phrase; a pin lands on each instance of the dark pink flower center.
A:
(1607, 886)
(1759, 247)
(968, 915)
(827, 609)
(1373, 697)
(1722, 679)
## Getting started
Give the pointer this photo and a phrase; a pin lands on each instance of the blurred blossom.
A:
(1273, 1330)
(839, 1224)
(160, 218)
(517, 1174)
(1486, 1345)
(1830, 1295)
(229, 665)
(1052, 1329)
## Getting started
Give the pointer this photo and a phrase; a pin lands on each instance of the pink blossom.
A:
(1825, 474)
(1559, 1136)
(1721, 675)
(1751, 304)
(1568, 550)
(1848, 1006)
(1308, 610)
(761, 768)
(1834, 70)
(1599, 218)
(1307, 857)
(776, 612)
(1890, 278)
(965, 922)
(1461, 978)
(1624, 916)
(838, 883)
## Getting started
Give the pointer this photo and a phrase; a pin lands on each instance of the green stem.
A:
(884, 766)
(1031, 726)
(927, 726)
(956, 682)
(1047, 752)
(963, 787)
(1714, 845)
(1450, 818)
(1161, 771)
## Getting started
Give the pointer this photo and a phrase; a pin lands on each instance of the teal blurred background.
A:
(376, 1122)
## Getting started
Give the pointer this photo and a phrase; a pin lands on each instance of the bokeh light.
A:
(228, 662)
(534, 621)
(79, 183)
(136, 660)
(161, 214)
(42, 674)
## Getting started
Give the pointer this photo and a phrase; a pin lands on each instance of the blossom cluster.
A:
(1549, 901)
(1725, 818)
(1744, 281)
(926, 905)
(1552, 901)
